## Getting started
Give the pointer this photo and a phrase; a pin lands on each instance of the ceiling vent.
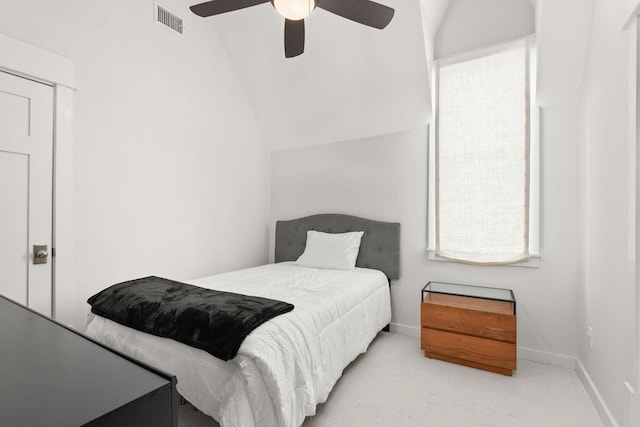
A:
(168, 19)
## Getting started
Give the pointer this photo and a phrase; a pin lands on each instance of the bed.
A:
(288, 365)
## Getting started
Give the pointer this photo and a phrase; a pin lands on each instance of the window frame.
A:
(535, 241)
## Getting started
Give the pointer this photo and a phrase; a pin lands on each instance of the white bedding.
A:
(285, 367)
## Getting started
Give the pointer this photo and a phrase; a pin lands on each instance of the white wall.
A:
(171, 172)
(608, 294)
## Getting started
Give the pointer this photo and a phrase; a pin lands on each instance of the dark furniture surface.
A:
(51, 375)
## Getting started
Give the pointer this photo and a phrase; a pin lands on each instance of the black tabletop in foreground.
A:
(53, 376)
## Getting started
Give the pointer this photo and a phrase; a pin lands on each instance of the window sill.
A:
(533, 262)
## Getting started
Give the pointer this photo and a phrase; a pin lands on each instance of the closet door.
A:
(26, 171)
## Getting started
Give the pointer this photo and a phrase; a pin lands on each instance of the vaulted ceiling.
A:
(354, 81)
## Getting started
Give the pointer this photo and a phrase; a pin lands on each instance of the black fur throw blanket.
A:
(214, 321)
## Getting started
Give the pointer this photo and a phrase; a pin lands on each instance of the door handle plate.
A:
(40, 254)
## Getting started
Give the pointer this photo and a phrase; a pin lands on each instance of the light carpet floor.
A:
(393, 384)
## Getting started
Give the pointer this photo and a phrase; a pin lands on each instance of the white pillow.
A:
(331, 250)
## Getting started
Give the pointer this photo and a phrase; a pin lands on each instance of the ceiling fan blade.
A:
(216, 7)
(293, 38)
(363, 11)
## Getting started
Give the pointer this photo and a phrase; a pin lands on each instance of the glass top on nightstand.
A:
(483, 292)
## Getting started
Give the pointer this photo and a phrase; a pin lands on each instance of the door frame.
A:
(632, 392)
(632, 415)
(34, 63)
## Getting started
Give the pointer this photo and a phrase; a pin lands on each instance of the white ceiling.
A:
(354, 81)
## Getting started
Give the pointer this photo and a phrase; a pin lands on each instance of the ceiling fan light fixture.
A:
(294, 10)
(365, 12)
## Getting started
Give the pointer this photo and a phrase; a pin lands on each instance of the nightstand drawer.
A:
(468, 348)
(498, 324)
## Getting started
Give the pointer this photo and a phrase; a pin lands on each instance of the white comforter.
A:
(285, 367)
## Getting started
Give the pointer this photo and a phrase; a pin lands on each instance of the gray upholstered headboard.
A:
(379, 248)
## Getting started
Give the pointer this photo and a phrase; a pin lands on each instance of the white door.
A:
(26, 171)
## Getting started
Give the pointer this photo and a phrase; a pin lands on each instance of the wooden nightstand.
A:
(470, 325)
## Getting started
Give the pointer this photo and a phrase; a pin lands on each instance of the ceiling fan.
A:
(364, 12)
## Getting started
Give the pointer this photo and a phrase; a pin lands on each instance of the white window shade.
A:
(482, 157)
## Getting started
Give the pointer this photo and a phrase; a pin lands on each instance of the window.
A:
(483, 163)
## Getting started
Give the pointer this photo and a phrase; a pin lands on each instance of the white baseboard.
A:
(553, 359)
(410, 331)
(605, 415)
(631, 406)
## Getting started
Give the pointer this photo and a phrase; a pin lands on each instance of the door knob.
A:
(40, 254)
